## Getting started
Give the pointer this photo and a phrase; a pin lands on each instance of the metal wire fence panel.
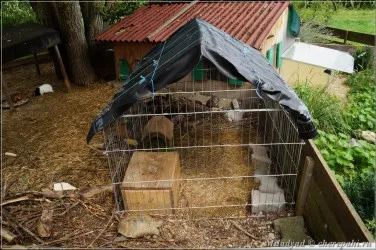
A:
(232, 144)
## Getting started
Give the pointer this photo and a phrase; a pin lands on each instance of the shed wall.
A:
(294, 72)
(277, 34)
(131, 52)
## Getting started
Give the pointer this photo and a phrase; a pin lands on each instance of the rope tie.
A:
(155, 64)
(258, 83)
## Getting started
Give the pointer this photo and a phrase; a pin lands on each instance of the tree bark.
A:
(93, 20)
(46, 15)
(73, 38)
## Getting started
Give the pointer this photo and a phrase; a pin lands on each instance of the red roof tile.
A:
(249, 22)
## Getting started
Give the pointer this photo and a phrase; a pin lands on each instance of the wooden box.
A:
(150, 182)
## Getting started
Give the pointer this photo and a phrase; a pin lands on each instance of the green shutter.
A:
(279, 55)
(123, 70)
(235, 82)
(270, 55)
(198, 72)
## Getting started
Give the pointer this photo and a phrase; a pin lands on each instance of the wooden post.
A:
(305, 181)
(9, 99)
(346, 35)
(62, 68)
(36, 63)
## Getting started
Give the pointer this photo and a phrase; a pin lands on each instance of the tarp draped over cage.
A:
(176, 57)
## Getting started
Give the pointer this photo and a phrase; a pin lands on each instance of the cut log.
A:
(158, 127)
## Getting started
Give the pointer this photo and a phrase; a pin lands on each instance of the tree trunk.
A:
(73, 38)
(93, 20)
(46, 15)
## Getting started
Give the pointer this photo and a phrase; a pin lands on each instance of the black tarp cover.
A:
(176, 57)
(26, 39)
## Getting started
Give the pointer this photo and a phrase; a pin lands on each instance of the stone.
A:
(212, 102)
(269, 185)
(234, 115)
(62, 186)
(292, 229)
(235, 104)
(139, 225)
(260, 151)
(225, 103)
(260, 171)
(354, 142)
(267, 202)
(369, 136)
(202, 99)
(44, 225)
(271, 236)
(261, 162)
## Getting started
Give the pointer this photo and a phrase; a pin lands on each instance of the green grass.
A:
(359, 20)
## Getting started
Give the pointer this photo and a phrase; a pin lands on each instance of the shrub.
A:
(16, 12)
(363, 81)
(326, 109)
(361, 192)
(120, 9)
(360, 112)
(312, 32)
(364, 58)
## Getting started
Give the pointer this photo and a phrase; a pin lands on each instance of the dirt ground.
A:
(48, 135)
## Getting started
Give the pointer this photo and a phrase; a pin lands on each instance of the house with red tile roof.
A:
(264, 25)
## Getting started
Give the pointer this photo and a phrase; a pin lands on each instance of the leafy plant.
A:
(363, 58)
(325, 109)
(119, 9)
(16, 12)
(361, 192)
(344, 159)
(360, 112)
(363, 81)
(312, 32)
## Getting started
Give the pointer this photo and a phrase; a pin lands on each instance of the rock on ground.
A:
(292, 229)
(369, 136)
(139, 225)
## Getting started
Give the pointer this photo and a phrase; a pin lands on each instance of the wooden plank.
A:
(165, 24)
(151, 170)
(148, 200)
(304, 186)
(361, 38)
(62, 68)
(328, 223)
(334, 198)
(42, 57)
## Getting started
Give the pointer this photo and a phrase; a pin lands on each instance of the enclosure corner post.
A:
(61, 64)
(304, 186)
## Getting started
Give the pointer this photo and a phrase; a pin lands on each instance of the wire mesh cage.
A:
(205, 146)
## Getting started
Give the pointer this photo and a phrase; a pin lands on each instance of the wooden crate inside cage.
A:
(152, 182)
